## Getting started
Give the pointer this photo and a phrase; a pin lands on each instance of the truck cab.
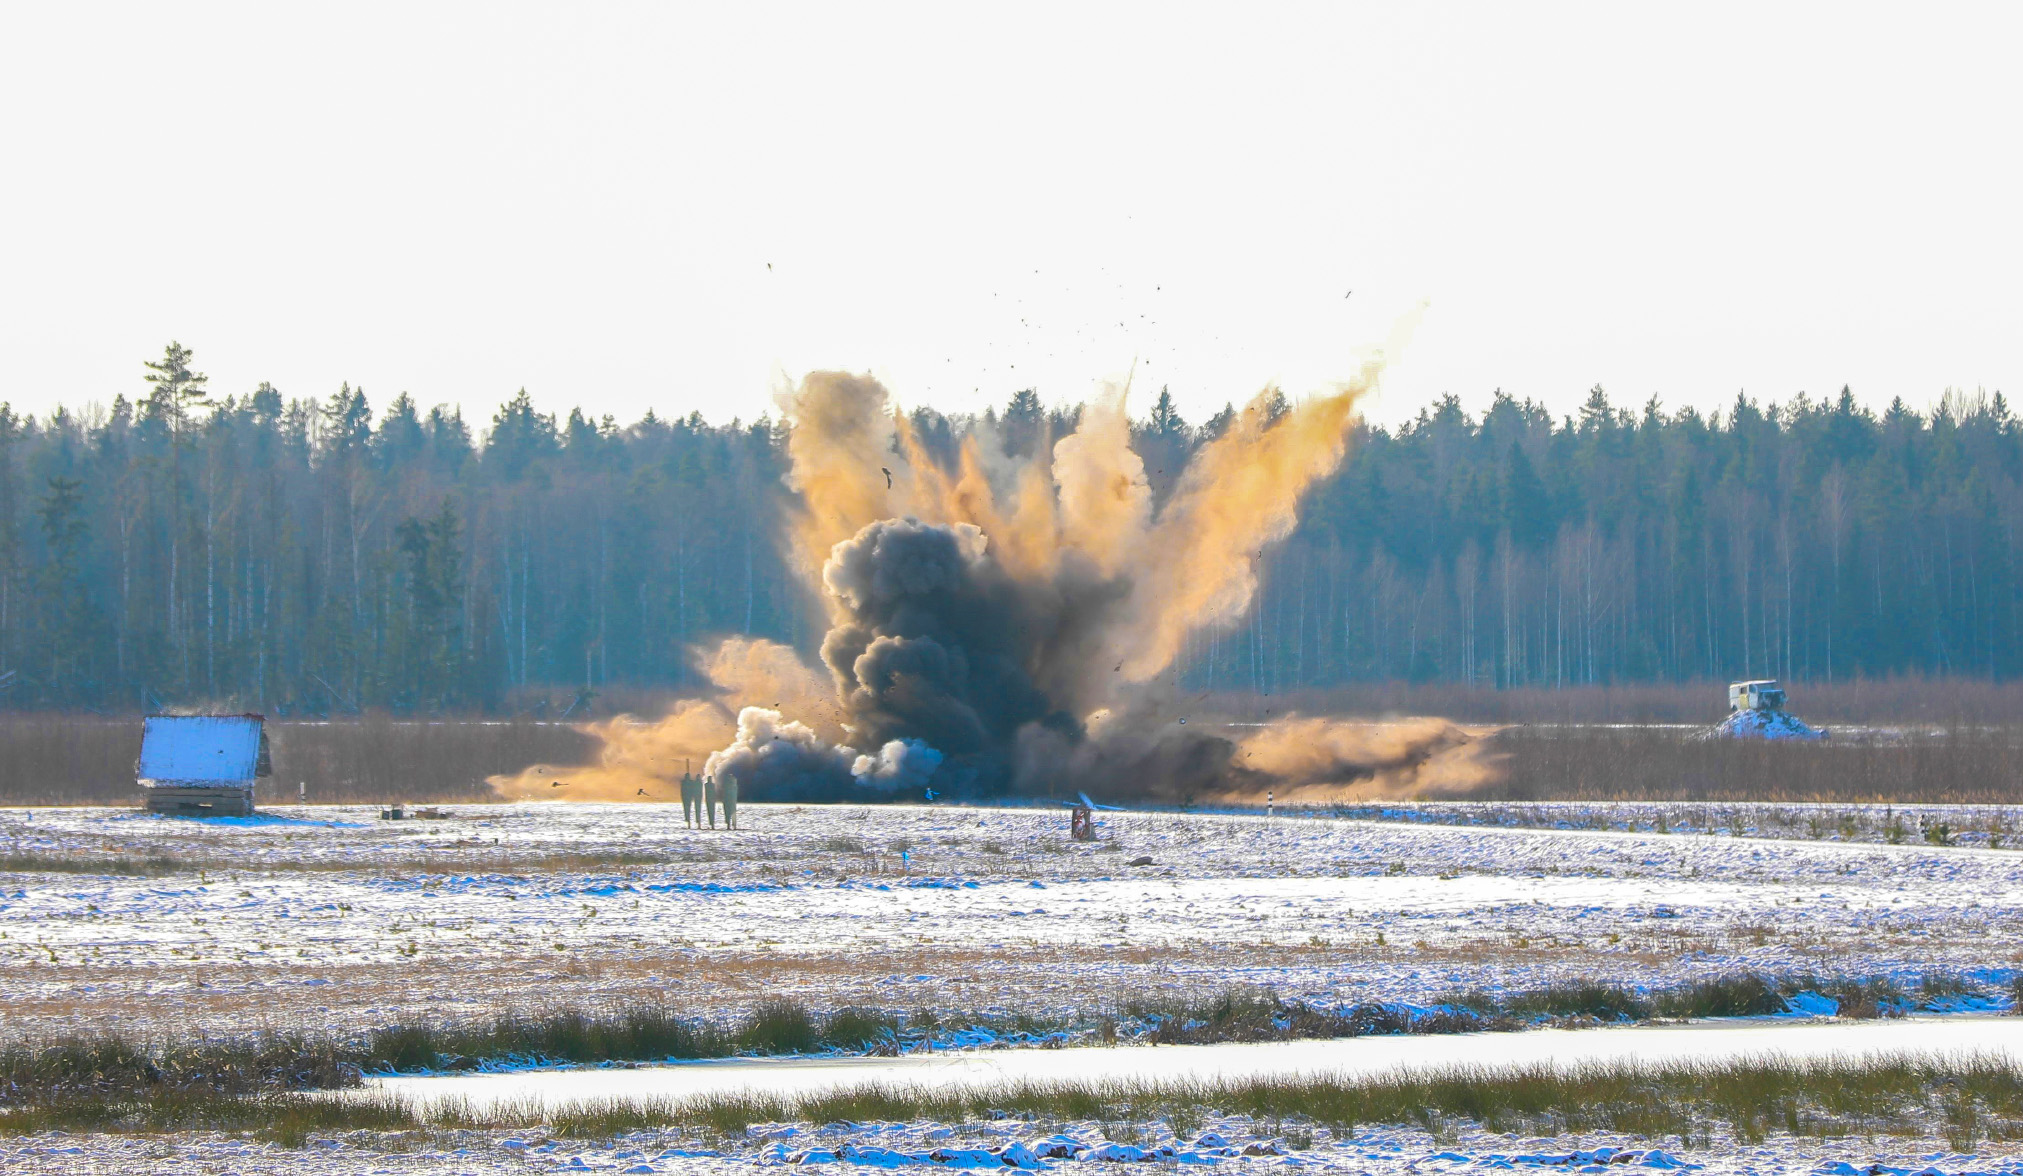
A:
(1761, 695)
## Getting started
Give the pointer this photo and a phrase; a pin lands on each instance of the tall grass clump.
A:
(107, 1064)
(1590, 998)
(1741, 995)
(288, 1119)
(638, 1033)
(633, 1034)
(863, 1030)
(101, 864)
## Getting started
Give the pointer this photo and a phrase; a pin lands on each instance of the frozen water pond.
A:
(1361, 1056)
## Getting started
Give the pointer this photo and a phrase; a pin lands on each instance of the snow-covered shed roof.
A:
(201, 749)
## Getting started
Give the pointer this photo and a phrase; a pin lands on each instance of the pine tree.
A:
(177, 391)
(11, 563)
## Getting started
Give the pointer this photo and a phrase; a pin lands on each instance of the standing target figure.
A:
(691, 800)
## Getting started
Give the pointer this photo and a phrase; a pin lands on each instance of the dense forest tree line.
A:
(307, 556)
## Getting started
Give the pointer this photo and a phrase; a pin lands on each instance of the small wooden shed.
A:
(202, 765)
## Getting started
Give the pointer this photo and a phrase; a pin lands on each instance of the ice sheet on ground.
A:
(1354, 1057)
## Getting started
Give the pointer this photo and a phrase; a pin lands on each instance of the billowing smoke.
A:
(901, 766)
(778, 759)
(932, 639)
(1005, 626)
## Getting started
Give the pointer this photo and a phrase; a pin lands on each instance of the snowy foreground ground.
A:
(1234, 1146)
(327, 918)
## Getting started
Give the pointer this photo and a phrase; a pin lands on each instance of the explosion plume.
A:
(1004, 626)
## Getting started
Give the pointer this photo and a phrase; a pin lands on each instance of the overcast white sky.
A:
(680, 207)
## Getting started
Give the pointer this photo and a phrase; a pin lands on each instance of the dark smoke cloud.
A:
(933, 640)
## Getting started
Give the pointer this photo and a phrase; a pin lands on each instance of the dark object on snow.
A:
(398, 811)
(202, 765)
(1139, 861)
(1082, 821)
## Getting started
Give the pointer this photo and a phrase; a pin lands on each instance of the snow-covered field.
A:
(328, 918)
(1979, 826)
(322, 916)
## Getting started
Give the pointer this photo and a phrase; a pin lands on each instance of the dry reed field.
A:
(1902, 740)
(89, 759)
(1942, 701)
(1961, 765)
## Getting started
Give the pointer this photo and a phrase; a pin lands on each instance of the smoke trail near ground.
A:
(1004, 626)
(1317, 760)
(645, 760)
(635, 761)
